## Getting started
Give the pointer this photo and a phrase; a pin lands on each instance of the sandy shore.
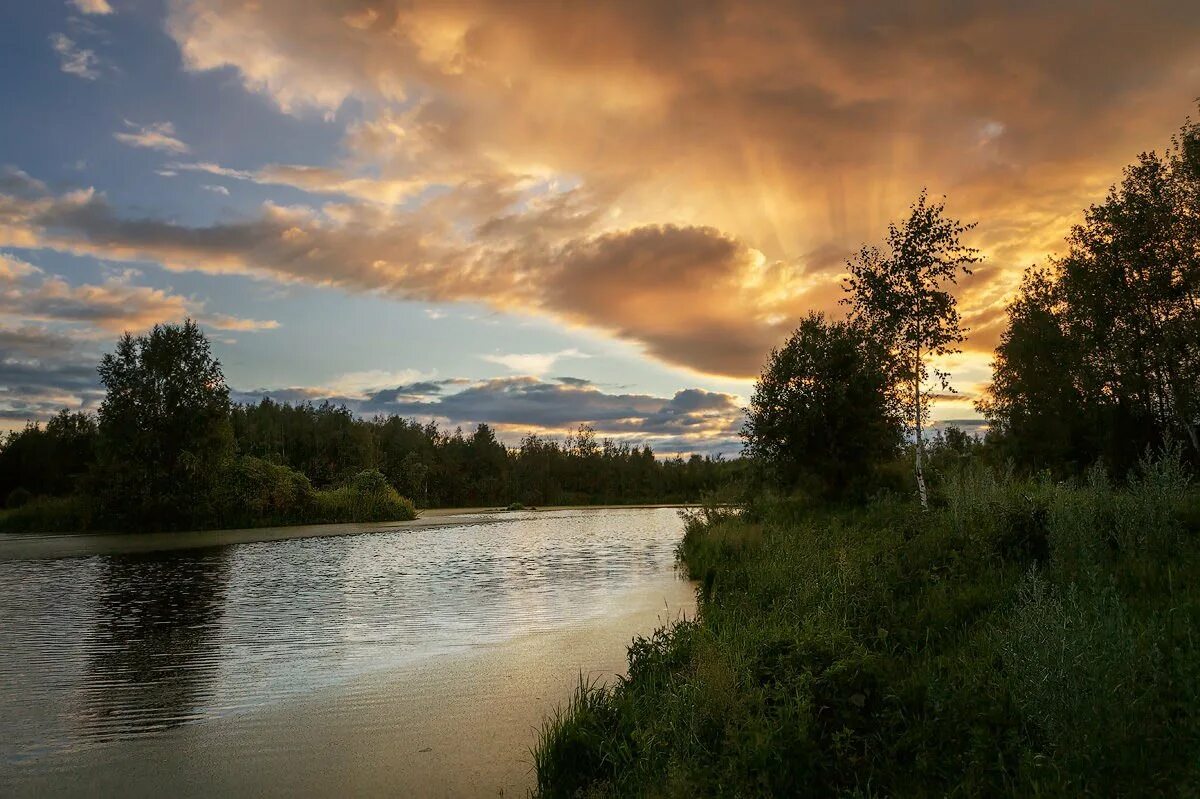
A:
(29, 546)
(460, 724)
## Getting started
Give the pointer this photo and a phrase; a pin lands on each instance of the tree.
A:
(164, 428)
(49, 459)
(1101, 356)
(899, 294)
(1036, 404)
(823, 411)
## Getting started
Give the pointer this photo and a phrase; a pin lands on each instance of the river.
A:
(410, 660)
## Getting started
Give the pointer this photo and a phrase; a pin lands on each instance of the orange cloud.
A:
(689, 177)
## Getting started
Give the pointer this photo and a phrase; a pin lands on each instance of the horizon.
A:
(534, 218)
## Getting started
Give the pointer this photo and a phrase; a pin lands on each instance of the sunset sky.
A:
(536, 214)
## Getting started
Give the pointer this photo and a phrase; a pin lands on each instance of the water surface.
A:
(276, 653)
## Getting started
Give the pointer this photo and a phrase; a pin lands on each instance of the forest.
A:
(884, 615)
(168, 450)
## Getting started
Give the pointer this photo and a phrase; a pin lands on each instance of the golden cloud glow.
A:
(689, 177)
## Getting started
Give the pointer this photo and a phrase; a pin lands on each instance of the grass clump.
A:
(1024, 637)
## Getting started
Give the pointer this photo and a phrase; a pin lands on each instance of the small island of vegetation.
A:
(1013, 616)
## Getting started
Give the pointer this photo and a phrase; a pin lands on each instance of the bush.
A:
(17, 498)
(366, 497)
(72, 514)
(252, 491)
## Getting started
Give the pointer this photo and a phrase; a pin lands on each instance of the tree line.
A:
(443, 468)
(1101, 355)
(1098, 363)
(168, 449)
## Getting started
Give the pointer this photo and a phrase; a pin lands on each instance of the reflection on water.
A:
(153, 653)
(110, 647)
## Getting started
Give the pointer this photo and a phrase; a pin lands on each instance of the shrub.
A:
(253, 491)
(71, 514)
(17, 498)
(366, 497)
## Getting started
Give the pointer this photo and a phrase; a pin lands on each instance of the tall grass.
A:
(1025, 637)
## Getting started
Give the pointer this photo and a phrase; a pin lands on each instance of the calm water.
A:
(105, 650)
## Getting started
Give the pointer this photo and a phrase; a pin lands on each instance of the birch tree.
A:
(900, 292)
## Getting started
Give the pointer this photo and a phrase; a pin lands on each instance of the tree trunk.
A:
(920, 447)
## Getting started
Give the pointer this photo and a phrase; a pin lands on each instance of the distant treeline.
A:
(439, 468)
(167, 450)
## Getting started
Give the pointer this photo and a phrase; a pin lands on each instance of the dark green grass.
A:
(1023, 638)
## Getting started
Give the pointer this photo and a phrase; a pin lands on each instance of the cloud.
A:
(115, 305)
(791, 128)
(155, 136)
(681, 292)
(75, 60)
(357, 383)
(31, 342)
(689, 180)
(533, 363)
(216, 189)
(51, 333)
(222, 321)
(43, 370)
(210, 168)
(92, 6)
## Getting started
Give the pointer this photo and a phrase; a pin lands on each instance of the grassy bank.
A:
(1022, 638)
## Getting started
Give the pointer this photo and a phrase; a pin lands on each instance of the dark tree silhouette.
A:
(823, 411)
(1108, 337)
(899, 293)
(163, 426)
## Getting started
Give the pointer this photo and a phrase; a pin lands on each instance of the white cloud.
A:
(533, 363)
(155, 136)
(222, 321)
(215, 189)
(211, 169)
(75, 60)
(359, 383)
(92, 6)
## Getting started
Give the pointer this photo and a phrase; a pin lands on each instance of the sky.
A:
(536, 214)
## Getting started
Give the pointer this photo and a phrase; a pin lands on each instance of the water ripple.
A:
(110, 647)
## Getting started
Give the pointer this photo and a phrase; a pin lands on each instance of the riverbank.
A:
(1023, 638)
(24, 546)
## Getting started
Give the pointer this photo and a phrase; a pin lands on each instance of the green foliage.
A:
(70, 514)
(367, 497)
(49, 459)
(1024, 637)
(900, 294)
(823, 415)
(253, 492)
(163, 429)
(453, 469)
(1101, 355)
